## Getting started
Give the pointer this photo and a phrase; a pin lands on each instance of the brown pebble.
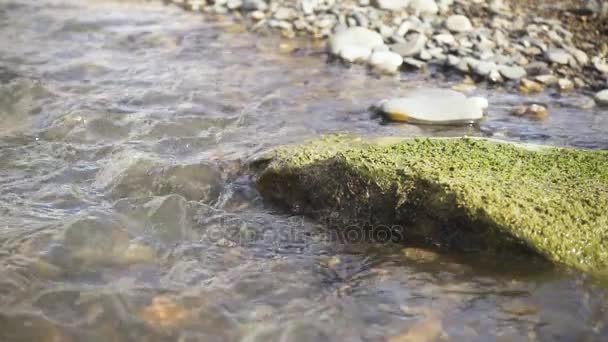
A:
(535, 112)
(527, 86)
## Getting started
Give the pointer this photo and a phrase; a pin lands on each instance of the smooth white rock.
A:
(424, 6)
(434, 106)
(386, 61)
(353, 53)
(309, 6)
(601, 97)
(444, 38)
(458, 23)
(354, 43)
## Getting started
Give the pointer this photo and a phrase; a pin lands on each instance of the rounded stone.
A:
(458, 23)
(558, 56)
(424, 6)
(414, 43)
(512, 72)
(354, 43)
(484, 68)
(601, 97)
(386, 61)
(535, 112)
(434, 106)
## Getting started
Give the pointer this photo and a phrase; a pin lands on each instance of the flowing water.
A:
(126, 213)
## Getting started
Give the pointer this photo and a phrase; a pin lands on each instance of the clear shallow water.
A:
(126, 214)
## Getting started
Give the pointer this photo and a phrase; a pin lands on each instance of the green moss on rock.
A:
(463, 193)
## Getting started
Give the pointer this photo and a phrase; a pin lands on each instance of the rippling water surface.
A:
(126, 213)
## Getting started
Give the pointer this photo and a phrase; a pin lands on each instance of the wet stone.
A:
(386, 61)
(535, 112)
(434, 106)
(304, 332)
(130, 175)
(527, 86)
(601, 97)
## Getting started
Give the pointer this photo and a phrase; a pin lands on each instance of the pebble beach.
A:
(531, 47)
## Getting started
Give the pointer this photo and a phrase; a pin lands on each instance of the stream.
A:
(127, 212)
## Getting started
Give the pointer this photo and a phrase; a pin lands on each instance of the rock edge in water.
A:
(460, 193)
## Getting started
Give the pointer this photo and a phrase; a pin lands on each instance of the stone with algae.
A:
(466, 194)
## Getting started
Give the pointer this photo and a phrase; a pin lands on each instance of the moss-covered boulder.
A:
(461, 193)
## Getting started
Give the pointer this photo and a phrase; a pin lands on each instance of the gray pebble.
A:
(546, 79)
(512, 72)
(484, 68)
(537, 68)
(558, 56)
(361, 19)
(254, 5)
(414, 43)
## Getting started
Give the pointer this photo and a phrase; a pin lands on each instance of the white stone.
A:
(434, 106)
(309, 6)
(386, 61)
(284, 13)
(444, 5)
(601, 97)
(353, 53)
(444, 38)
(600, 64)
(424, 6)
(458, 23)
(354, 43)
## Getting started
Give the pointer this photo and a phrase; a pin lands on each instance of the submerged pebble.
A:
(535, 111)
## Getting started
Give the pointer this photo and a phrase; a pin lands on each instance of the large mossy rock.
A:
(461, 193)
